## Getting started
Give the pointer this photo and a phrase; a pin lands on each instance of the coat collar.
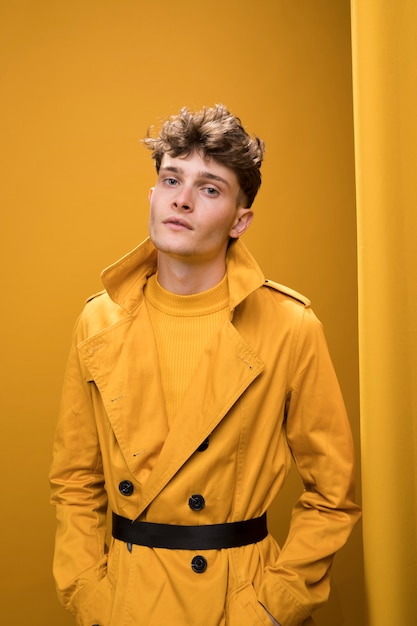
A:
(124, 279)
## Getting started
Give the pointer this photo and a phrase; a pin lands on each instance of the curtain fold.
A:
(384, 48)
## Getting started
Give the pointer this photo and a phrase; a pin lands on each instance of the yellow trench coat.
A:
(265, 389)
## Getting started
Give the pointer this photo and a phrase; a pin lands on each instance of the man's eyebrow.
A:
(211, 176)
(202, 174)
(171, 168)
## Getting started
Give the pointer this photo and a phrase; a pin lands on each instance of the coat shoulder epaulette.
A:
(288, 292)
(95, 295)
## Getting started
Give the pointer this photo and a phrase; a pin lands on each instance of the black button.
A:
(196, 502)
(203, 446)
(199, 564)
(126, 488)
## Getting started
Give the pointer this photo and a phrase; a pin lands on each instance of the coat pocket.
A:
(93, 604)
(243, 608)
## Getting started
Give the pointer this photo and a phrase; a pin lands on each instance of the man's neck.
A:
(185, 279)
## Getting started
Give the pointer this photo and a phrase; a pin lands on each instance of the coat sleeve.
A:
(319, 436)
(77, 486)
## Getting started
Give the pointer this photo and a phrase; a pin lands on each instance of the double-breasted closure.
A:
(264, 390)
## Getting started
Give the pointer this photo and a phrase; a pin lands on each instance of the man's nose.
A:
(183, 199)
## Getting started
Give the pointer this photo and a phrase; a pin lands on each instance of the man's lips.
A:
(178, 222)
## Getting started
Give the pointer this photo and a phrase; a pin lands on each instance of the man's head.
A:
(213, 133)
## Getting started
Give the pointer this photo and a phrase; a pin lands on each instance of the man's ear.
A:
(150, 193)
(242, 222)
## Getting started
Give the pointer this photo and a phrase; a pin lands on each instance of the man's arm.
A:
(319, 436)
(77, 488)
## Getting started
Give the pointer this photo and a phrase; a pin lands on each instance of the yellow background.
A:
(81, 82)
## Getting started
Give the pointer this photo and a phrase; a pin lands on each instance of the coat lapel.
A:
(228, 367)
(122, 361)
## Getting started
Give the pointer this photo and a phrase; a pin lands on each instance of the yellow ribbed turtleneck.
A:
(183, 327)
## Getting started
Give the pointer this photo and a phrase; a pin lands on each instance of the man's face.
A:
(195, 208)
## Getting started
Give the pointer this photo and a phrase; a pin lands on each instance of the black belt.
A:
(208, 537)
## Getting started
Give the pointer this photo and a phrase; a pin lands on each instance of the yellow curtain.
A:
(384, 40)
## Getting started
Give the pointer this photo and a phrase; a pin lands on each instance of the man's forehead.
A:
(196, 163)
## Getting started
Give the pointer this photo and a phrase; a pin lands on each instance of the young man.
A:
(191, 382)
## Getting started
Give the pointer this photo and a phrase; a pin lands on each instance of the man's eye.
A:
(211, 191)
(171, 181)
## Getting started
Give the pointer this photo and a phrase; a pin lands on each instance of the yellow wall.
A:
(81, 82)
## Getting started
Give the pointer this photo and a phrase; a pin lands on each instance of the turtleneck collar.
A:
(192, 305)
